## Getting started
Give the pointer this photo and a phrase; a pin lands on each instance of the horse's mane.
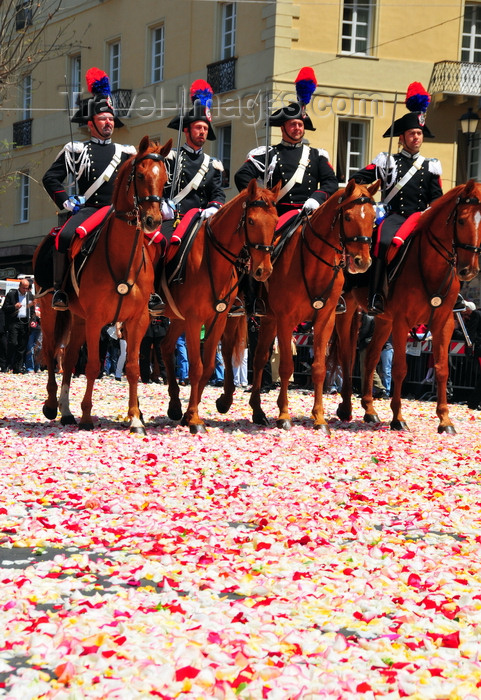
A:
(241, 196)
(438, 205)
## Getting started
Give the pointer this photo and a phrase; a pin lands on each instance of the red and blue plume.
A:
(97, 81)
(417, 99)
(306, 83)
(201, 91)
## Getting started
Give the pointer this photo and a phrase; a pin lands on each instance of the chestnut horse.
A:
(115, 285)
(305, 285)
(209, 289)
(443, 250)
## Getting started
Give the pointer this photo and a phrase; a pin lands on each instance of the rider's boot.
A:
(376, 302)
(341, 305)
(60, 297)
(460, 304)
(156, 303)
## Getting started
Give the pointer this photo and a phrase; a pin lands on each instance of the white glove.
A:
(167, 210)
(74, 203)
(310, 205)
(205, 213)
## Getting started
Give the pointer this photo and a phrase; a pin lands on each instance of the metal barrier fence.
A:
(419, 360)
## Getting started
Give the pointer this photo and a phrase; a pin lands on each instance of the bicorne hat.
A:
(201, 95)
(306, 83)
(417, 101)
(98, 85)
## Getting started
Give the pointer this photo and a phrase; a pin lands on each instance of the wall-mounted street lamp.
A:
(469, 124)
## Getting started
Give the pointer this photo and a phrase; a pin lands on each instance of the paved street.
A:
(244, 563)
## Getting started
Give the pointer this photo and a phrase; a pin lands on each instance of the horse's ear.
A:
(276, 189)
(252, 189)
(350, 187)
(165, 150)
(144, 144)
(372, 189)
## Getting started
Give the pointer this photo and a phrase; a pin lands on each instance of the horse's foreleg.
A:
(322, 332)
(224, 401)
(382, 330)
(346, 330)
(267, 333)
(398, 372)
(196, 371)
(286, 368)
(77, 338)
(135, 330)
(92, 370)
(167, 348)
(442, 334)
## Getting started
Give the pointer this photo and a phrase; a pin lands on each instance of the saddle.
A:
(179, 246)
(285, 228)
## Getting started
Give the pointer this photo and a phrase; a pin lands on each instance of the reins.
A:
(220, 304)
(132, 218)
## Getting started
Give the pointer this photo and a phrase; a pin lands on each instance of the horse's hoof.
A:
(260, 418)
(322, 427)
(174, 413)
(399, 425)
(371, 418)
(449, 429)
(222, 404)
(137, 430)
(68, 420)
(197, 428)
(85, 426)
(343, 415)
(284, 423)
(49, 413)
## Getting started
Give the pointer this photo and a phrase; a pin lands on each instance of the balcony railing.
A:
(221, 75)
(22, 133)
(456, 78)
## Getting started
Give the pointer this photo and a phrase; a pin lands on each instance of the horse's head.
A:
(140, 184)
(355, 215)
(466, 219)
(259, 224)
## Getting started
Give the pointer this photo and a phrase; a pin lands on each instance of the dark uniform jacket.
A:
(209, 192)
(417, 194)
(88, 160)
(318, 182)
(11, 313)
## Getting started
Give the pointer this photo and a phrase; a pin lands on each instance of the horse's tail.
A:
(240, 341)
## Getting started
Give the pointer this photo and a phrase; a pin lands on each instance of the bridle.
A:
(220, 304)
(133, 217)
(449, 256)
(318, 302)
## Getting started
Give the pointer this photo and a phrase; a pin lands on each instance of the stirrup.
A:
(376, 305)
(156, 305)
(60, 300)
(237, 308)
(341, 306)
(259, 308)
(459, 305)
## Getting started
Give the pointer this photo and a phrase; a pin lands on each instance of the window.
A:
(351, 148)
(471, 42)
(114, 65)
(357, 20)
(24, 198)
(75, 81)
(157, 55)
(24, 15)
(228, 28)
(27, 97)
(224, 145)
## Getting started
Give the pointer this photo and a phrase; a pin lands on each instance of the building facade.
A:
(364, 53)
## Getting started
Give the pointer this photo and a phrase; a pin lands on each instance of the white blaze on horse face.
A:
(477, 220)
(156, 170)
(363, 212)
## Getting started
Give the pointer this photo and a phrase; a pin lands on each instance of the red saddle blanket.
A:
(183, 227)
(401, 236)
